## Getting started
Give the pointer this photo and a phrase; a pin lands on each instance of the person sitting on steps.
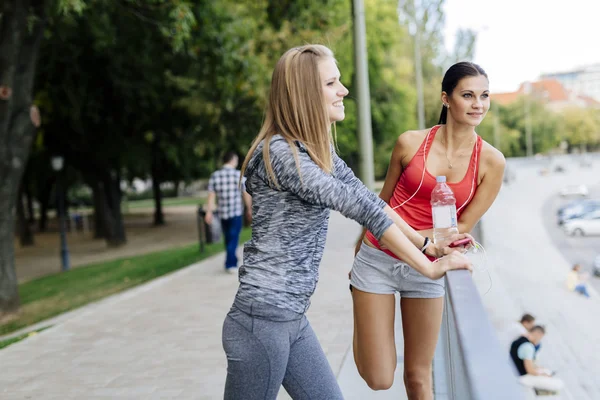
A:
(522, 353)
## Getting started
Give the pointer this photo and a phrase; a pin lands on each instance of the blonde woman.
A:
(295, 178)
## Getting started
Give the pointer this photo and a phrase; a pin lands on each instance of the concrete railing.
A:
(469, 363)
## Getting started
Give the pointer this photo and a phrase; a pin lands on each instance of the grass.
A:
(55, 294)
(169, 202)
(147, 203)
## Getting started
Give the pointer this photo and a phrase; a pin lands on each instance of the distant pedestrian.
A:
(522, 352)
(576, 281)
(224, 187)
(516, 329)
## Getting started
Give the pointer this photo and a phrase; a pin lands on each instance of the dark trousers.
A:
(231, 231)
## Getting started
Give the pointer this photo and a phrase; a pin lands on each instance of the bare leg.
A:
(421, 321)
(374, 345)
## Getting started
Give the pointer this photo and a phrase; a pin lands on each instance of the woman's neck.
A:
(456, 135)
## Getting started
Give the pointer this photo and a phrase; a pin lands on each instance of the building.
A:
(552, 92)
(584, 81)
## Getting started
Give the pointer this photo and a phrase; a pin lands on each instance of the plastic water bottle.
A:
(443, 210)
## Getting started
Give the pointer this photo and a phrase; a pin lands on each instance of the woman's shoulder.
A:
(278, 148)
(412, 138)
(279, 143)
(491, 155)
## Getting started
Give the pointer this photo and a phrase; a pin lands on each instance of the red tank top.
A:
(417, 211)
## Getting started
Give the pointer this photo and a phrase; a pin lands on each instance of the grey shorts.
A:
(376, 272)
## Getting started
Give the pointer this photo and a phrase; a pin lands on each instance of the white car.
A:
(574, 190)
(588, 224)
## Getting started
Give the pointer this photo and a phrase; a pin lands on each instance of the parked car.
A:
(574, 190)
(576, 209)
(587, 224)
(596, 266)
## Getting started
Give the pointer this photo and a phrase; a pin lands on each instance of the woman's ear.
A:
(444, 98)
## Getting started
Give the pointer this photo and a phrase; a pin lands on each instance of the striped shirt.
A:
(289, 224)
(225, 184)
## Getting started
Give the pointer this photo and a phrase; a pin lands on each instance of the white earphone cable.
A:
(477, 246)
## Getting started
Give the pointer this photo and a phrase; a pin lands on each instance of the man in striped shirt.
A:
(224, 187)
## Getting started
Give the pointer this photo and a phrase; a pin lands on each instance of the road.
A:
(578, 249)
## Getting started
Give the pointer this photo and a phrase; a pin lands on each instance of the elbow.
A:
(530, 368)
(466, 227)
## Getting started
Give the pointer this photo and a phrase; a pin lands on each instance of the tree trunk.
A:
(113, 218)
(25, 234)
(99, 210)
(20, 36)
(159, 218)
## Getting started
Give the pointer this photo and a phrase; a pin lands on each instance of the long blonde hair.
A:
(296, 108)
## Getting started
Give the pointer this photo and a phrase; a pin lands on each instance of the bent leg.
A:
(374, 345)
(581, 288)
(421, 321)
(542, 382)
(309, 375)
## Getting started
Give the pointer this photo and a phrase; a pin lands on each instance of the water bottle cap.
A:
(440, 178)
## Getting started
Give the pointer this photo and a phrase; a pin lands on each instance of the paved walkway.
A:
(528, 275)
(162, 340)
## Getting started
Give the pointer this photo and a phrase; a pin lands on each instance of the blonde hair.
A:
(296, 108)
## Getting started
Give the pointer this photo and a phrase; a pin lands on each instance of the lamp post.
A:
(528, 134)
(57, 166)
(365, 133)
(407, 12)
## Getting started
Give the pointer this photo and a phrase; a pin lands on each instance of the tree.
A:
(579, 127)
(230, 65)
(544, 127)
(22, 24)
(393, 97)
(493, 130)
(464, 46)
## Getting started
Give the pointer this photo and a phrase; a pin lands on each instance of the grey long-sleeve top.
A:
(289, 223)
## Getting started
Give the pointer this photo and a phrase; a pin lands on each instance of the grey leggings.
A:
(267, 346)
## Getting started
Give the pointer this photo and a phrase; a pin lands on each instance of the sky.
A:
(520, 39)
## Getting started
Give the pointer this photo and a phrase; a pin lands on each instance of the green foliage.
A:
(393, 98)
(497, 134)
(544, 126)
(71, 7)
(580, 127)
(189, 80)
(505, 126)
